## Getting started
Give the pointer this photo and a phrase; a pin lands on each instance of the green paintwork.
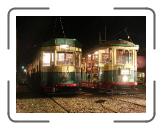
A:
(123, 45)
(51, 78)
(112, 76)
(140, 86)
(115, 76)
(62, 41)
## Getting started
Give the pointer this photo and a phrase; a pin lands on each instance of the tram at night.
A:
(56, 66)
(111, 65)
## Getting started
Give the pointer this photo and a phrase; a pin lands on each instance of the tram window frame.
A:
(96, 58)
(124, 57)
(52, 56)
(130, 56)
(64, 60)
(50, 61)
(77, 59)
(46, 62)
(108, 53)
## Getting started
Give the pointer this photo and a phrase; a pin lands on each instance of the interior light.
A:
(46, 59)
(64, 46)
(96, 53)
(89, 55)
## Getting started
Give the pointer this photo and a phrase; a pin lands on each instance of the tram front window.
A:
(124, 56)
(65, 59)
(46, 59)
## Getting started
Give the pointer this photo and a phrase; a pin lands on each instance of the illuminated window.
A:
(124, 56)
(96, 57)
(77, 58)
(130, 56)
(107, 56)
(60, 57)
(119, 56)
(52, 57)
(65, 58)
(69, 58)
(46, 59)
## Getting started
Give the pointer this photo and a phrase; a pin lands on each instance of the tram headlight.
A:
(25, 70)
(125, 78)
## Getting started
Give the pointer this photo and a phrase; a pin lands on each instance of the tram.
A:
(56, 66)
(110, 65)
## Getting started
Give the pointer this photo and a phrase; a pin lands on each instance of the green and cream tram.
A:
(57, 65)
(110, 65)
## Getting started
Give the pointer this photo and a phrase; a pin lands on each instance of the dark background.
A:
(32, 31)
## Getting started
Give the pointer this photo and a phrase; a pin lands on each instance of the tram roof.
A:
(61, 41)
(122, 43)
(113, 43)
(116, 43)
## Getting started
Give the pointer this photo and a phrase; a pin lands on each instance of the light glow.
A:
(61, 56)
(46, 59)
(64, 46)
(89, 55)
(52, 57)
(22, 67)
(125, 78)
(25, 70)
(96, 53)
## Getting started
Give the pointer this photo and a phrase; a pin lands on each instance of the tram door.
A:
(124, 71)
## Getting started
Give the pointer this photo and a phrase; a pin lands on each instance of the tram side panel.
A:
(62, 77)
(59, 78)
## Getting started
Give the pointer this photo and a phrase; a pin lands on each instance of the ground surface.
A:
(82, 102)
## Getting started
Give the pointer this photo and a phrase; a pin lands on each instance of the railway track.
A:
(60, 105)
(84, 102)
(132, 102)
(108, 109)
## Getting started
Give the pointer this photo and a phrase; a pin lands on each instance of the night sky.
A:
(33, 31)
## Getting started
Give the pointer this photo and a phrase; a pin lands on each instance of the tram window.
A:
(65, 58)
(60, 58)
(77, 57)
(126, 56)
(119, 56)
(107, 56)
(46, 59)
(69, 59)
(89, 57)
(123, 56)
(130, 56)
